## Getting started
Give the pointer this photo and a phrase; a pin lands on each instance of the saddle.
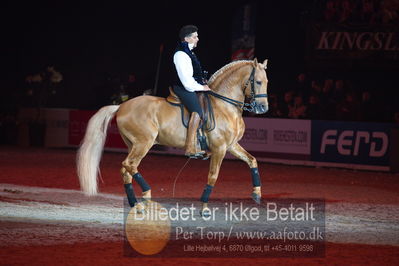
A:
(208, 119)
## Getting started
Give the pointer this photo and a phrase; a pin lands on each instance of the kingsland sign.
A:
(353, 143)
(341, 40)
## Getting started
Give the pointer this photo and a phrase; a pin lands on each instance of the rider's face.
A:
(192, 39)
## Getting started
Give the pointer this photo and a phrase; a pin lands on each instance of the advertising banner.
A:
(351, 142)
(57, 124)
(77, 129)
(77, 125)
(368, 46)
(329, 143)
(278, 136)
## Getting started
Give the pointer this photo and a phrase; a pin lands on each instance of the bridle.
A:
(243, 105)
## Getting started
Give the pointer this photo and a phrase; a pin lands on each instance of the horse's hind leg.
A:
(242, 154)
(129, 170)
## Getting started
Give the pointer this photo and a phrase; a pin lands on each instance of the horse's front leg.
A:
(216, 162)
(242, 154)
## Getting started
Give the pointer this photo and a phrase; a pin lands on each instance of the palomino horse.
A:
(147, 120)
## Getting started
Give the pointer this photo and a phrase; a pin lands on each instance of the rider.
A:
(189, 80)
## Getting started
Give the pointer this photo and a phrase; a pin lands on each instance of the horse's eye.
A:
(259, 82)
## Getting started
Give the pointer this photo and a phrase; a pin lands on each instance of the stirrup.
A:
(198, 155)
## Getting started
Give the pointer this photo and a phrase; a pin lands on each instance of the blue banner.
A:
(351, 142)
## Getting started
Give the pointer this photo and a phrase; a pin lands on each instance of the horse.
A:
(147, 120)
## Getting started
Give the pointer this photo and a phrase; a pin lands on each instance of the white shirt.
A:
(185, 71)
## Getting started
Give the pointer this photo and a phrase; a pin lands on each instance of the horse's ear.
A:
(255, 63)
(265, 64)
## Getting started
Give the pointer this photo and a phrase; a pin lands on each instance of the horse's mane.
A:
(229, 68)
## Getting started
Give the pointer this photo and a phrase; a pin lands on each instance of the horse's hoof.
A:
(256, 198)
(206, 156)
(206, 212)
(140, 208)
(147, 195)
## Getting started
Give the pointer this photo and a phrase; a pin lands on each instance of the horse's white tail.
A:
(90, 151)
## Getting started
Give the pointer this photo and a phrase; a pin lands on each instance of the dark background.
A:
(96, 45)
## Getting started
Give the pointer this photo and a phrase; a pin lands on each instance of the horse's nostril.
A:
(262, 108)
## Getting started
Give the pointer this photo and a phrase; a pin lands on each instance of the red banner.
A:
(77, 129)
(243, 34)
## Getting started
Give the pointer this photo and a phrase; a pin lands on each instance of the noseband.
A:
(243, 105)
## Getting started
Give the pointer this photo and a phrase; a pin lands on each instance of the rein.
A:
(243, 105)
(228, 100)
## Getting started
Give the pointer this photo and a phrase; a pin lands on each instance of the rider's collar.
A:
(187, 46)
